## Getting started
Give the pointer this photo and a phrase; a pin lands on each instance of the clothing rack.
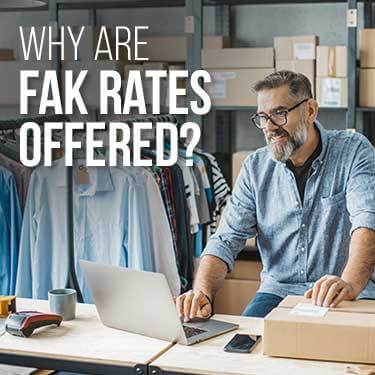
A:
(14, 124)
(73, 282)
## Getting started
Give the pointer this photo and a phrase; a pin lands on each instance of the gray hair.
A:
(298, 84)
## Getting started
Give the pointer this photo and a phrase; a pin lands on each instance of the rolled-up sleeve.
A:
(361, 187)
(238, 222)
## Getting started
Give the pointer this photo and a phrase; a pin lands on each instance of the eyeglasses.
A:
(278, 118)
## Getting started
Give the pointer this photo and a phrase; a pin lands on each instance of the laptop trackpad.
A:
(191, 331)
(207, 325)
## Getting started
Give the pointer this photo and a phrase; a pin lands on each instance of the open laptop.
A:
(141, 302)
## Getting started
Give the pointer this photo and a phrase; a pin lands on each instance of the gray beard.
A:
(282, 151)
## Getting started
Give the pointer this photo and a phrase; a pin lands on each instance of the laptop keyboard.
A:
(190, 332)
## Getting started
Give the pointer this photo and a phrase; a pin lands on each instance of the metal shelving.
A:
(224, 113)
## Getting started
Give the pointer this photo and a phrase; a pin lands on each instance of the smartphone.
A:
(242, 343)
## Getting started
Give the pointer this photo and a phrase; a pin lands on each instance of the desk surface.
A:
(209, 358)
(84, 339)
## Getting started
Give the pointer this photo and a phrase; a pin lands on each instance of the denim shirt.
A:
(10, 229)
(299, 242)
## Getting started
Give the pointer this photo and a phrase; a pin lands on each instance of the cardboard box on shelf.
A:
(167, 48)
(86, 49)
(238, 58)
(215, 42)
(251, 243)
(331, 61)
(89, 43)
(233, 87)
(367, 48)
(181, 82)
(332, 92)
(234, 296)
(129, 67)
(6, 54)
(345, 333)
(44, 49)
(306, 67)
(173, 48)
(155, 66)
(295, 47)
(246, 270)
(91, 87)
(237, 161)
(148, 90)
(366, 88)
(10, 80)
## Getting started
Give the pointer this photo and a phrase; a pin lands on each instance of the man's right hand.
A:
(194, 304)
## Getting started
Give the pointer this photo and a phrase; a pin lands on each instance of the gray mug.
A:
(63, 302)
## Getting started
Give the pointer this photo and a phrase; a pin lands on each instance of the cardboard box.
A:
(246, 270)
(251, 243)
(173, 48)
(68, 46)
(89, 43)
(332, 61)
(155, 66)
(6, 54)
(234, 296)
(129, 67)
(366, 88)
(238, 159)
(346, 333)
(10, 80)
(215, 42)
(91, 87)
(295, 47)
(332, 92)
(86, 49)
(167, 48)
(306, 67)
(233, 87)
(181, 82)
(367, 48)
(238, 58)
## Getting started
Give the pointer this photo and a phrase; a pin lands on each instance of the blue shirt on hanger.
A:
(111, 225)
(10, 228)
(301, 241)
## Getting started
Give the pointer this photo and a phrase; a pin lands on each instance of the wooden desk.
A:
(81, 345)
(209, 358)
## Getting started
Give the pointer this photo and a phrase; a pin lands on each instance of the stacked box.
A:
(332, 61)
(234, 296)
(233, 87)
(10, 72)
(298, 54)
(295, 47)
(6, 54)
(174, 48)
(332, 92)
(234, 71)
(367, 70)
(331, 81)
(306, 67)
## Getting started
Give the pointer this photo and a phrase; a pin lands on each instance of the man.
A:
(309, 196)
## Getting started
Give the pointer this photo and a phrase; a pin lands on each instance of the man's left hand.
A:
(330, 290)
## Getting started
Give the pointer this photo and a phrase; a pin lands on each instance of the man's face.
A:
(283, 141)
